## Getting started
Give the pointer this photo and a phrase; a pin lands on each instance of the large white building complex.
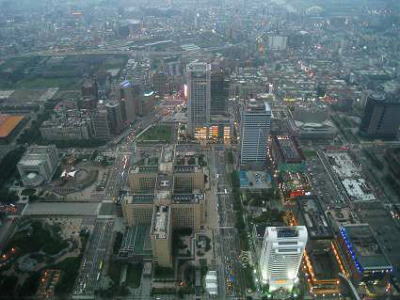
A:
(255, 127)
(199, 95)
(281, 255)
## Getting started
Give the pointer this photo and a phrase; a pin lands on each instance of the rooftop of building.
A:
(257, 106)
(88, 83)
(31, 162)
(67, 118)
(196, 66)
(364, 247)
(164, 182)
(161, 220)
(325, 265)
(125, 84)
(288, 148)
(167, 153)
(381, 97)
(140, 199)
(220, 119)
(145, 169)
(287, 232)
(311, 118)
(147, 162)
(342, 216)
(357, 188)
(183, 198)
(136, 241)
(342, 164)
(8, 123)
(313, 217)
(185, 169)
(36, 154)
(211, 281)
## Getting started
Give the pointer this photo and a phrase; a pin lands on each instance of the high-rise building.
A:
(101, 124)
(199, 95)
(160, 82)
(381, 117)
(255, 127)
(147, 103)
(219, 91)
(115, 116)
(281, 255)
(129, 98)
(89, 89)
(38, 165)
(90, 93)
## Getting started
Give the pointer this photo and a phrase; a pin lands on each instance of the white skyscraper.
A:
(255, 127)
(281, 255)
(199, 95)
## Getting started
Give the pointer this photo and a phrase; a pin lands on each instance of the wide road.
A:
(227, 242)
(95, 258)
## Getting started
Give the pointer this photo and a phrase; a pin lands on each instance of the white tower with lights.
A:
(281, 255)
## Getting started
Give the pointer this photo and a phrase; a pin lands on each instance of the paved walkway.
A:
(62, 209)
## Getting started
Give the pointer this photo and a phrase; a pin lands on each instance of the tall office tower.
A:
(160, 82)
(219, 91)
(255, 127)
(199, 95)
(381, 117)
(101, 124)
(281, 255)
(90, 94)
(115, 117)
(129, 97)
(89, 88)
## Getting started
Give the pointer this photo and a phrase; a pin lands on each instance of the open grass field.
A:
(157, 134)
(66, 73)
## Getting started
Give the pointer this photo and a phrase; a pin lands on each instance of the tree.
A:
(30, 286)
(8, 164)
(230, 157)
(8, 196)
(117, 242)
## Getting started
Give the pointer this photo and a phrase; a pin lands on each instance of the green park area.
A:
(260, 198)
(66, 73)
(37, 236)
(37, 83)
(69, 271)
(157, 134)
(34, 247)
(309, 153)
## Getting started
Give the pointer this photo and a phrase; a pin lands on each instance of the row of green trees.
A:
(8, 167)
(239, 212)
